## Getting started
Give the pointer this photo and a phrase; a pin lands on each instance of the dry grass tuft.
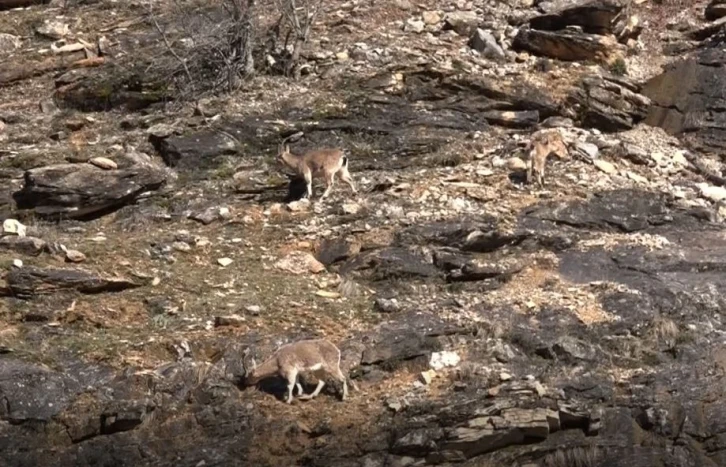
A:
(663, 330)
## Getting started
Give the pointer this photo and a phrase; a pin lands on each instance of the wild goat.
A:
(542, 144)
(326, 162)
(318, 356)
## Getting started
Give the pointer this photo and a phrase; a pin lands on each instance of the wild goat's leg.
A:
(329, 182)
(341, 377)
(291, 378)
(309, 183)
(314, 394)
(345, 176)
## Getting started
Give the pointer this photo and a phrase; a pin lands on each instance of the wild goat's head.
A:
(283, 154)
(248, 365)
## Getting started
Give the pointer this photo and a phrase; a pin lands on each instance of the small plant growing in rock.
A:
(465, 372)
(618, 67)
(664, 331)
(448, 159)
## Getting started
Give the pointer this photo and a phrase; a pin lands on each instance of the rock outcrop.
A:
(608, 103)
(687, 97)
(580, 30)
(96, 414)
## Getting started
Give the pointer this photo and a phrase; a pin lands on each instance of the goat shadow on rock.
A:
(296, 190)
(277, 386)
(518, 177)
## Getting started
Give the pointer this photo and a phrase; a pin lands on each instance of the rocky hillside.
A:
(148, 242)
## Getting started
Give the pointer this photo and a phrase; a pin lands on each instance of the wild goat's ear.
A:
(287, 148)
(254, 364)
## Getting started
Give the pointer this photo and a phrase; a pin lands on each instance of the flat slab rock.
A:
(191, 151)
(399, 347)
(30, 281)
(512, 119)
(83, 190)
(568, 45)
(618, 210)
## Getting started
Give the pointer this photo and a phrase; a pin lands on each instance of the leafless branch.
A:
(299, 27)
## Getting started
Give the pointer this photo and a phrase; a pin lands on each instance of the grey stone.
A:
(484, 43)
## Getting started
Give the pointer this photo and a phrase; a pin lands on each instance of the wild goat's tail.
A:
(345, 161)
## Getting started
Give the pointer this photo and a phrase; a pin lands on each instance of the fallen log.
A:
(31, 69)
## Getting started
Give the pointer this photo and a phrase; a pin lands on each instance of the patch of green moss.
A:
(223, 172)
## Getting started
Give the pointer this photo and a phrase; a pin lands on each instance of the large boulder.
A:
(463, 22)
(484, 42)
(688, 98)
(26, 245)
(83, 190)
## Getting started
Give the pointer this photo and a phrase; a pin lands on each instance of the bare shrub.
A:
(208, 46)
(212, 46)
(297, 18)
